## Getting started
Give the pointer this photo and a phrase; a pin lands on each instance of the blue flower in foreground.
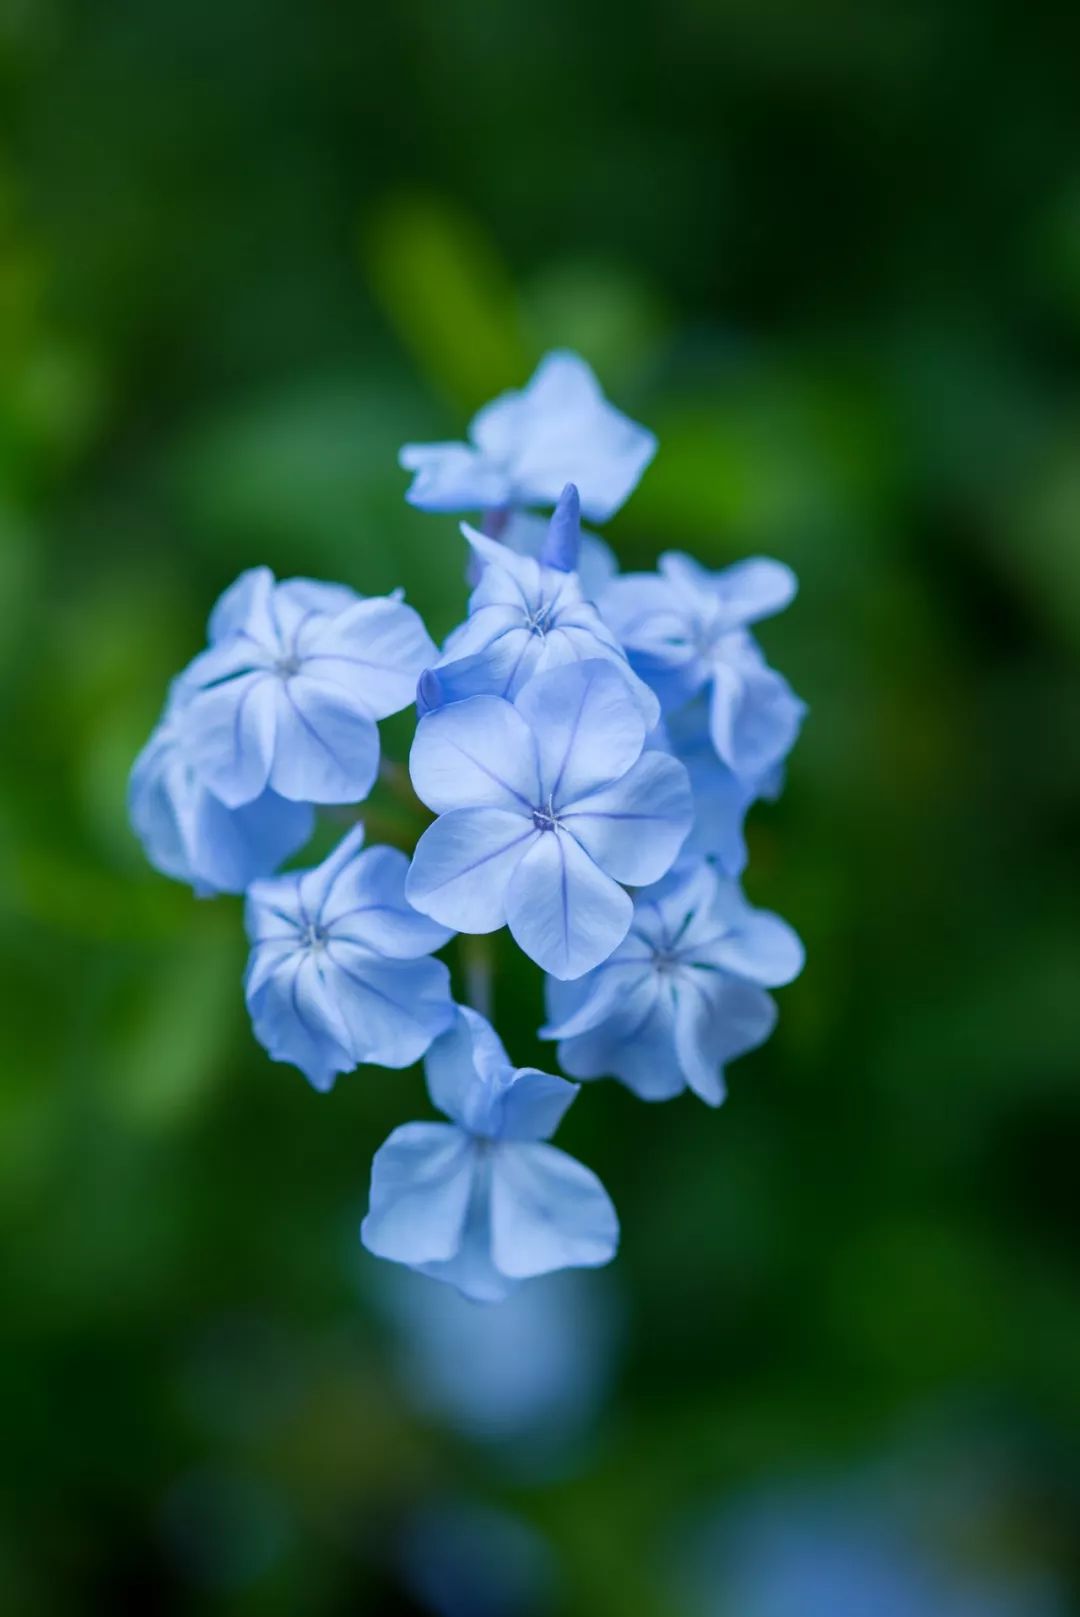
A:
(546, 804)
(526, 617)
(685, 630)
(288, 692)
(484, 1202)
(187, 833)
(526, 446)
(683, 994)
(340, 972)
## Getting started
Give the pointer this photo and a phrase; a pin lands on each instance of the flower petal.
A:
(560, 429)
(327, 745)
(621, 986)
(638, 1050)
(462, 865)
(754, 717)
(535, 1104)
(376, 651)
(548, 1211)
(563, 911)
(471, 1270)
(230, 734)
(743, 593)
(393, 1009)
(760, 947)
(467, 1069)
(634, 828)
(714, 1023)
(421, 1182)
(587, 725)
(295, 1017)
(365, 903)
(453, 477)
(244, 608)
(474, 753)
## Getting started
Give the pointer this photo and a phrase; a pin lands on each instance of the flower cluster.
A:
(588, 743)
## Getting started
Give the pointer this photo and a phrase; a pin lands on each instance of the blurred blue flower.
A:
(527, 616)
(339, 971)
(545, 806)
(682, 995)
(288, 692)
(838, 1552)
(685, 630)
(188, 833)
(526, 446)
(528, 1376)
(484, 1202)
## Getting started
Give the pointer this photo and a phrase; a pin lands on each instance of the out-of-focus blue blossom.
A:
(484, 1202)
(528, 1375)
(339, 971)
(683, 994)
(526, 446)
(686, 629)
(525, 617)
(188, 833)
(461, 1559)
(545, 806)
(288, 693)
(841, 1553)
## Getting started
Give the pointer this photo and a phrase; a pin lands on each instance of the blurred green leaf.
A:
(444, 288)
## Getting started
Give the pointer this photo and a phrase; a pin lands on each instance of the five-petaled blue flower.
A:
(484, 1202)
(683, 994)
(526, 446)
(340, 971)
(288, 692)
(686, 630)
(545, 806)
(527, 616)
(189, 834)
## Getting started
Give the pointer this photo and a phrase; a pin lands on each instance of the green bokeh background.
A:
(831, 254)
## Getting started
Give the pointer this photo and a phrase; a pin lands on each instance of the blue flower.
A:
(525, 617)
(187, 833)
(685, 630)
(339, 972)
(526, 446)
(484, 1201)
(682, 995)
(288, 692)
(545, 806)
